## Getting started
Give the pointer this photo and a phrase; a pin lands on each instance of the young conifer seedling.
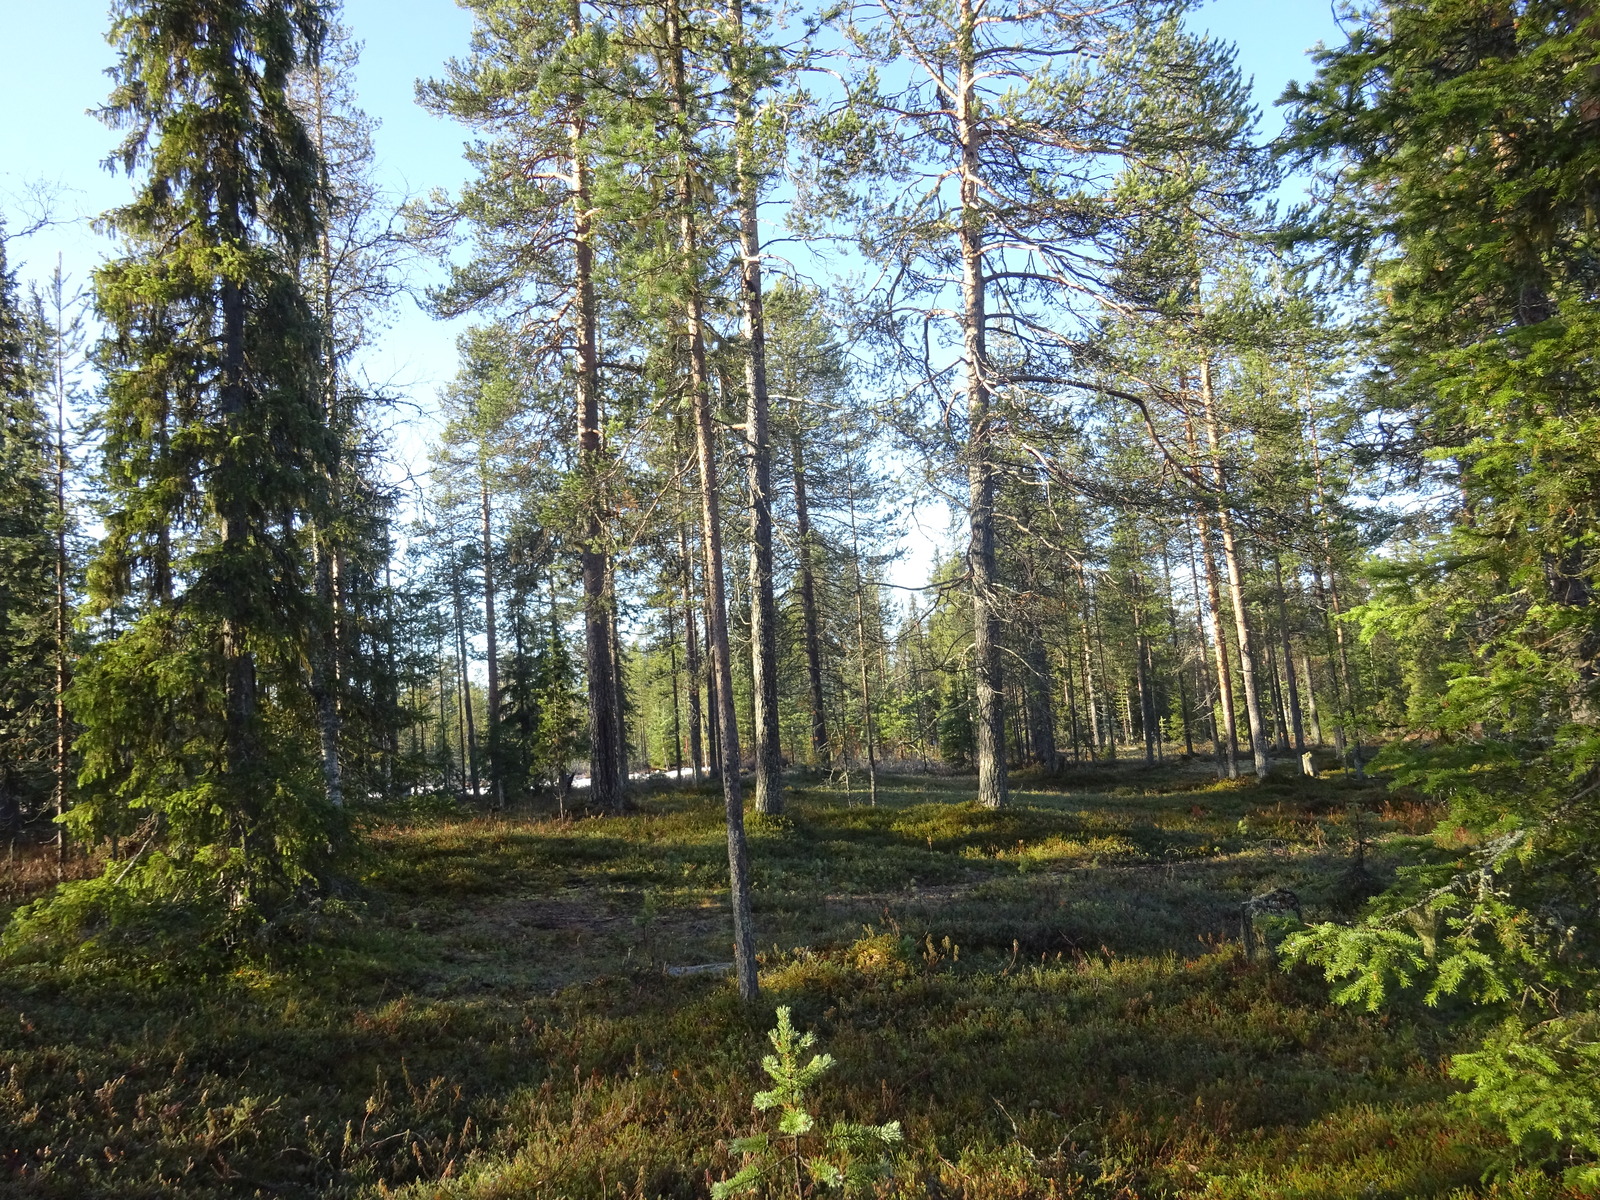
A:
(798, 1159)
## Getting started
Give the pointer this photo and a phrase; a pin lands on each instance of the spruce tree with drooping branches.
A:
(199, 728)
(1460, 148)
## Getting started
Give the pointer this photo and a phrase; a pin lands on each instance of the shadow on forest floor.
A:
(1049, 998)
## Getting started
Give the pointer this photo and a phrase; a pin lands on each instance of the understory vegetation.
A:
(943, 532)
(1051, 999)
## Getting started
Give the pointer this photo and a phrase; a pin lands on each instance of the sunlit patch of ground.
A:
(1051, 999)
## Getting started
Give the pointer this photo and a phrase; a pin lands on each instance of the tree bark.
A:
(1219, 646)
(763, 606)
(1177, 648)
(492, 648)
(1288, 661)
(861, 637)
(691, 654)
(605, 732)
(987, 673)
(812, 635)
(1141, 645)
(466, 690)
(744, 949)
(1230, 557)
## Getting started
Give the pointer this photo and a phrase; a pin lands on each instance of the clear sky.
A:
(56, 55)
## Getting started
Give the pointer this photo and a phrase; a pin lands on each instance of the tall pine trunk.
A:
(600, 669)
(763, 606)
(497, 795)
(806, 577)
(744, 947)
(990, 715)
(1219, 647)
(1288, 662)
(861, 636)
(1235, 568)
(468, 722)
(691, 654)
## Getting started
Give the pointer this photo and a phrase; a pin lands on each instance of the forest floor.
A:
(1051, 1000)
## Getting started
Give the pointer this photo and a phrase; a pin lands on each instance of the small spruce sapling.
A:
(798, 1159)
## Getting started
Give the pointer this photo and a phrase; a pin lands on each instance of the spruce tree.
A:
(198, 719)
(1460, 142)
(27, 568)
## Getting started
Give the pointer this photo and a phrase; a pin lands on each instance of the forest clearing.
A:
(972, 599)
(1052, 999)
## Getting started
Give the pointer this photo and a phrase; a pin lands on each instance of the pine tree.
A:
(1001, 228)
(534, 82)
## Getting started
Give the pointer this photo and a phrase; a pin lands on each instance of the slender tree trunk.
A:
(240, 748)
(744, 949)
(391, 741)
(325, 669)
(1280, 714)
(326, 674)
(805, 571)
(677, 729)
(600, 669)
(1288, 660)
(1334, 612)
(990, 720)
(1071, 698)
(1205, 650)
(691, 654)
(1219, 645)
(1177, 648)
(861, 636)
(618, 691)
(763, 606)
(1230, 556)
(1105, 688)
(444, 720)
(1042, 722)
(466, 693)
(1141, 646)
(492, 649)
(1345, 671)
(713, 714)
(1311, 696)
(1088, 672)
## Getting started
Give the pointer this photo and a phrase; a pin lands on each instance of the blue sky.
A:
(56, 55)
